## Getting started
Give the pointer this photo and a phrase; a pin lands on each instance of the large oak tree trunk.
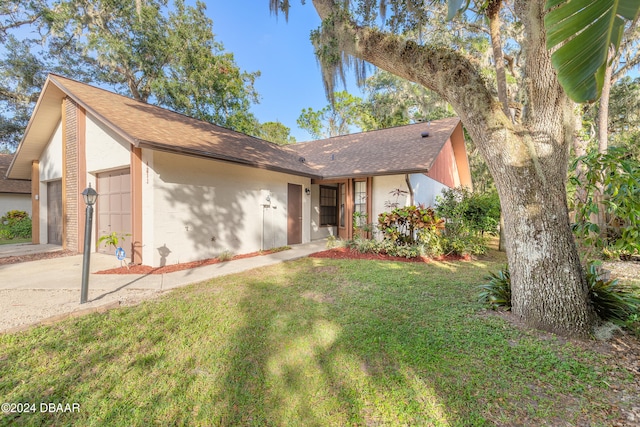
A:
(548, 289)
(528, 161)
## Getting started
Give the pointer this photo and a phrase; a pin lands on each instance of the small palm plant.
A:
(112, 239)
(496, 292)
(611, 299)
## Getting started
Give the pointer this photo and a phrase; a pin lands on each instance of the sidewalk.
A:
(32, 292)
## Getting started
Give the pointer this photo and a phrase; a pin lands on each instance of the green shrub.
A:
(465, 244)
(332, 242)
(496, 292)
(469, 212)
(610, 299)
(4, 233)
(15, 224)
(371, 246)
(405, 251)
(468, 216)
(409, 225)
(618, 175)
(364, 246)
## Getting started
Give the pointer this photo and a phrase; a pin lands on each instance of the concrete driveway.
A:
(20, 249)
(49, 289)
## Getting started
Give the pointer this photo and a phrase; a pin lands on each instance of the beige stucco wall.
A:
(149, 252)
(382, 186)
(14, 202)
(426, 189)
(105, 149)
(50, 170)
(202, 208)
(51, 158)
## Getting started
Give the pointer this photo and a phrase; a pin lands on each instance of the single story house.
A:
(15, 194)
(183, 189)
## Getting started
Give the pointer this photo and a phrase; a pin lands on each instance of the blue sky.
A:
(280, 50)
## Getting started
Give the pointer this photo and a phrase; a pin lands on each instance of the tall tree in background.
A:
(393, 101)
(276, 132)
(164, 55)
(151, 51)
(21, 78)
(597, 115)
(624, 115)
(21, 71)
(389, 101)
(17, 14)
(618, 67)
(334, 119)
(528, 159)
(202, 80)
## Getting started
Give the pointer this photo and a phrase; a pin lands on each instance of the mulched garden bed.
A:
(335, 253)
(145, 269)
(36, 257)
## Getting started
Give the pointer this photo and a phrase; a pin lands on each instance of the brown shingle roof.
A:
(157, 128)
(389, 151)
(11, 185)
(395, 150)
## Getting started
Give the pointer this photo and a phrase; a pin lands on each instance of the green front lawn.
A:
(15, 240)
(312, 343)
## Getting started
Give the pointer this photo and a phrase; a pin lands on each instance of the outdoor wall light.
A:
(90, 196)
(307, 191)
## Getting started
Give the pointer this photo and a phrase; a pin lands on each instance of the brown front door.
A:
(294, 214)
(114, 207)
(54, 212)
(344, 211)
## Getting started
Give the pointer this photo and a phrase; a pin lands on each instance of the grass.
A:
(15, 241)
(314, 342)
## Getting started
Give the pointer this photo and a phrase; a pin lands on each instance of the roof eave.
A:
(156, 146)
(46, 93)
(10, 174)
(95, 114)
(374, 173)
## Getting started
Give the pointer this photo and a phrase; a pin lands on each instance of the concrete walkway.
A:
(31, 292)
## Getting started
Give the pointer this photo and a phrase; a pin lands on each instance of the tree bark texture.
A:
(493, 13)
(528, 160)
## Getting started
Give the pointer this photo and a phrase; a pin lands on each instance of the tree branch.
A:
(445, 71)
(14, 96)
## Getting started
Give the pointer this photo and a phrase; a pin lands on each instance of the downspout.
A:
(408, 180)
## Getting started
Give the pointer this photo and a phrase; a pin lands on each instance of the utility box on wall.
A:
(265, 197)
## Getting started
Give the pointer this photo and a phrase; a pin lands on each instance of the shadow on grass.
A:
(344, 352)
(310, 342)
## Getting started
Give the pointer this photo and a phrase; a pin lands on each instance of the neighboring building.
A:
(15, 194)
(186, 189)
